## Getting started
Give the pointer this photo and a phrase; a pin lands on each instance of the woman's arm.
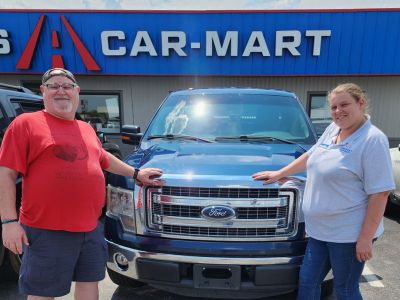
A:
(296, 166)
(375, 211)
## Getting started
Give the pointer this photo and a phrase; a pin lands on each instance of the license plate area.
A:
(216, 276)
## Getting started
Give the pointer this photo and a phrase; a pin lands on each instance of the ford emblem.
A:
(218, 212)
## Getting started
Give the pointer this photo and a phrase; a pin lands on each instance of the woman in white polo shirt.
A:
(349, 177)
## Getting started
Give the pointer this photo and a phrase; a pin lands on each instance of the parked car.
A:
(212, 231)
(394, 197)
(15, 100)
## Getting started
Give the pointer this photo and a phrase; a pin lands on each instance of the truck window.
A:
(21, 106)
(216, 115)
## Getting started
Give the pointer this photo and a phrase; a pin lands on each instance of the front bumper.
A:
(208, 276)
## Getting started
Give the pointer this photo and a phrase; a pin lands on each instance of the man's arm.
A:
(7, 193)
(13, 234)
(148, 176)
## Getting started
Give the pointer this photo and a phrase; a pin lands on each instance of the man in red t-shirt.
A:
(61, 162)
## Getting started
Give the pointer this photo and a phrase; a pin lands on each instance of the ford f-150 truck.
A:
(212, 231)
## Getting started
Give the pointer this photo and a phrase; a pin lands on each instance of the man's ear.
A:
(42, 89)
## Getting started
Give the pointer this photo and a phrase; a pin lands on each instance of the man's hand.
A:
(150, 176)
(13, 237)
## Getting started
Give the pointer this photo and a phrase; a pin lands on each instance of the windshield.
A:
(213, 116)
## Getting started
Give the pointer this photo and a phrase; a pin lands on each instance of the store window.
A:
(102, 111)
(319, 111)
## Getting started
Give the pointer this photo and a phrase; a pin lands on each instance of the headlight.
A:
(120, 204)
(298, 182)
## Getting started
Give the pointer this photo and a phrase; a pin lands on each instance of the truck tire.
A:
(326, 288)
(123, 281)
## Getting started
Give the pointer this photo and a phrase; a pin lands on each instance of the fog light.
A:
(121, 261)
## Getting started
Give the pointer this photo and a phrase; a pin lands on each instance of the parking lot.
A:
(380, 279)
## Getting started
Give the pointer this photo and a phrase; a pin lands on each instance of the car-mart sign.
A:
(201, 43)
(176, 41)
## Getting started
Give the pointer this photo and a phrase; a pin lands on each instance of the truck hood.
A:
(215, 159)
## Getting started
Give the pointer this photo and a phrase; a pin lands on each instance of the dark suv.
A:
(15, 100)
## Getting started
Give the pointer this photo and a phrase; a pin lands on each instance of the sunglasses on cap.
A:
(58, 72)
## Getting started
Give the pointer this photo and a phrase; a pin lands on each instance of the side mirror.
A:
(130, 134)
(398, 147)
(102, 137)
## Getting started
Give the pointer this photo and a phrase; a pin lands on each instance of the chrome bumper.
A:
(132, 255)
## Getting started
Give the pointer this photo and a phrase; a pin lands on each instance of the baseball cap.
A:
(57, 72)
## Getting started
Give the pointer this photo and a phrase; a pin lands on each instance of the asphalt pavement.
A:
(380, 280)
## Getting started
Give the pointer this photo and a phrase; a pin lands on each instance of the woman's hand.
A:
(364, 250)
(268, 176)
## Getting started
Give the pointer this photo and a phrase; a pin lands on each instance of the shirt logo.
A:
(346, 148)
(325, 146)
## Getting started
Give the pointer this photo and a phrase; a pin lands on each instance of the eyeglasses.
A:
(56, 86)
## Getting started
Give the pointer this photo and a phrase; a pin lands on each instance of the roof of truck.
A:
(236, 90)
(18, 91)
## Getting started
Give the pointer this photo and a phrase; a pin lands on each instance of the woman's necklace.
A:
(339, 137)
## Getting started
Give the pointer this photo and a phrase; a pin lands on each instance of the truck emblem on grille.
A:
(218, 212)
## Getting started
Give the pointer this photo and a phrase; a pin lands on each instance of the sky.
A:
(196, 4)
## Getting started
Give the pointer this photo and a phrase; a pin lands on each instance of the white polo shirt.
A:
(340, 177)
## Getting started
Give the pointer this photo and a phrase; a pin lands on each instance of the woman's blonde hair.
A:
(353, 89)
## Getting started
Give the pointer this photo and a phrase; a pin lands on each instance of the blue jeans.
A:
(319, 258)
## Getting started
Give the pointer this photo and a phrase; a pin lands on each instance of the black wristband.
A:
(136, 173)
(9, 221)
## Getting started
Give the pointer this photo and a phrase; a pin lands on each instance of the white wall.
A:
(141, 96)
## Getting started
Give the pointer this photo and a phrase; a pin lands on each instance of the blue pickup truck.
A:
(212, 231)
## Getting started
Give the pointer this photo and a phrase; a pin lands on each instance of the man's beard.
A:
(64, 108)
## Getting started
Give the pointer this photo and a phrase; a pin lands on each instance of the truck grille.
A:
(259, 214)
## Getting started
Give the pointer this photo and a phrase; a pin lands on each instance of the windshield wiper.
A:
(178, 137)
(246, 138)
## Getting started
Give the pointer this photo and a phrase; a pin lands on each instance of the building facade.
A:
(127, 61)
